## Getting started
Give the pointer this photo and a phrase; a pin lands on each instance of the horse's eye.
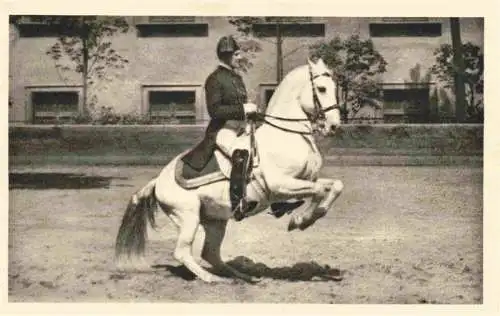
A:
(322, 89)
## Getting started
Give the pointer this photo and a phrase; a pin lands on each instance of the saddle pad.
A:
(189, 178)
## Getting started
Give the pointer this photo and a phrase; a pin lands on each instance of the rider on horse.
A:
(228, 107)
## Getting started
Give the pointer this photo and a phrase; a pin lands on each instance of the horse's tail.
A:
(132, 235)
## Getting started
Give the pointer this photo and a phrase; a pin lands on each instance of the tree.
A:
(86, 42)
(248, 45)
(244, 25)
(356, 64)
(472, 74)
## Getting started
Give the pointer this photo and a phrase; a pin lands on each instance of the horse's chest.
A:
(312, 166)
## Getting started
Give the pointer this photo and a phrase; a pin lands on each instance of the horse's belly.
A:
(215, 200)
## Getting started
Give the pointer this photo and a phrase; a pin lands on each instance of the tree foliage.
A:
(85, 41)
(246, 33)
(356, 64)
(473, 75)
(249, 45)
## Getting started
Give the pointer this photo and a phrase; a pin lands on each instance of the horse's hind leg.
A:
(188, 221)
(214, 235)
(183, 208)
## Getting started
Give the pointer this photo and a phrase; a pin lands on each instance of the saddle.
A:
(238, 170)
(189, 178)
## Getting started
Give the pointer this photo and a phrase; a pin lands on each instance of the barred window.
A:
(53, 105)
(172, 104)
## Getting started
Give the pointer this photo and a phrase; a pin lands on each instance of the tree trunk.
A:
(345, 92)
(458, 62)
(472, 101)
(84, 36)
(279, 54)
(338, 94)
(85, 65)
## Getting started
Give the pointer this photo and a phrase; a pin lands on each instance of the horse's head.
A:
(318, 98)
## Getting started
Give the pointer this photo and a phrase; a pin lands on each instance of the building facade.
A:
(170, 58)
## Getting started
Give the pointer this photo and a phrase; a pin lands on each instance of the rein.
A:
(287, 129)
(286, 119)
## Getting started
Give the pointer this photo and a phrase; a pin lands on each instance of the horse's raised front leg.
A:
(214, 235)
(318, 208)
(287, 187)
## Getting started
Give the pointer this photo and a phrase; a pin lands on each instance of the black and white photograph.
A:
(160, 157)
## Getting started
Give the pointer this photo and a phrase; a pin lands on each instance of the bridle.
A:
(317, 118)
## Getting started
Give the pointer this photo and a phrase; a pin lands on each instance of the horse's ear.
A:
(313, 60)
(321, 63)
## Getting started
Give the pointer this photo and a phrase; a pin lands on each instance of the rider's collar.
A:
(224, 65)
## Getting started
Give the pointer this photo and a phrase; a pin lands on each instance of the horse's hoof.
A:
(249, 280)
(254, 280)
(318, 213)
(219, 280)
(292, 225)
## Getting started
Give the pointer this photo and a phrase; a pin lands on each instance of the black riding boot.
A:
(238, 183)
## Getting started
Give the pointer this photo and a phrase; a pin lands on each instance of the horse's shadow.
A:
(302, 271)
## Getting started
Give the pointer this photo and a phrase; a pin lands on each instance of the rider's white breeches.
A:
(227, 136)
(226, 139)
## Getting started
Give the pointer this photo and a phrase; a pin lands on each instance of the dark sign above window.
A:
(405, 29)
(173, 30)
(172, 19)
(290, 30)
(29, 19)
(40, 26)
(406, 19)
(288, 19)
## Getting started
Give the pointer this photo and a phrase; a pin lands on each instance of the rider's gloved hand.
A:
(250, 108)
(251, 111)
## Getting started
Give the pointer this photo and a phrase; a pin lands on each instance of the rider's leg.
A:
(226, 140)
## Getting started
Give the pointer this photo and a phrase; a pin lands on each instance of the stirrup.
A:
(239, 210)
(242, 209)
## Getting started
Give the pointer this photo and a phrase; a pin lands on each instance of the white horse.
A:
(289, 163)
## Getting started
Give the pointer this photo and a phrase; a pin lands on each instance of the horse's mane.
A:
(289, 88)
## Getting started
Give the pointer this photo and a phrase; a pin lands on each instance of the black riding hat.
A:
(227, 44)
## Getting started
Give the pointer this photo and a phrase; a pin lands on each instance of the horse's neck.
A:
(285, 103)
(278, 138)
(302, 125)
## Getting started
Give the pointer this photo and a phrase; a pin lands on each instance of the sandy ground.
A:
(397, 235)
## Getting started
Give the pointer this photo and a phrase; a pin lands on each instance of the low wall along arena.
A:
(157, 144)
